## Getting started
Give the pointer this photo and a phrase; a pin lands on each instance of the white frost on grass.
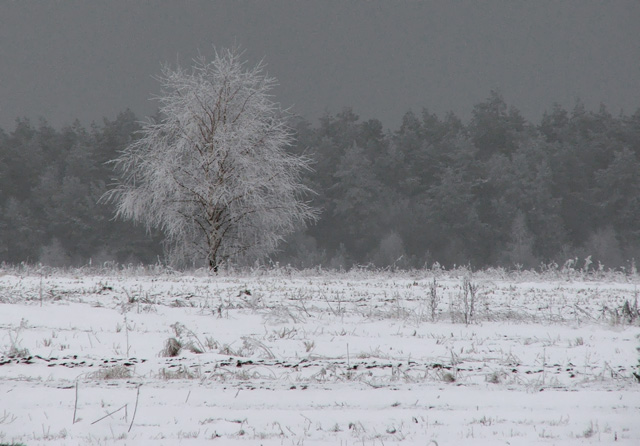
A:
(321, 358)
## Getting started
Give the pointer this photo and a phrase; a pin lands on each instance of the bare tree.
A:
(213, 172)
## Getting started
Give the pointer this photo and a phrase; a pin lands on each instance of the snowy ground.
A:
(277, 358)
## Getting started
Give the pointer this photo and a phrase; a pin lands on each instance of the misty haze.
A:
(337, 222)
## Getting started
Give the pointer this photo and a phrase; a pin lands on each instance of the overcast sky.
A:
(63, 60)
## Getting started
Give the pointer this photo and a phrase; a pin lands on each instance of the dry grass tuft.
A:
(15, 349)
(193, 347)
(115, 372)
(448, 377)
(17, 352)
(494, 378)
(181, 372)
(172, 347)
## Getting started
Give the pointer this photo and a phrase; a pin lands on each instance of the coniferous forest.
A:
(495, 190)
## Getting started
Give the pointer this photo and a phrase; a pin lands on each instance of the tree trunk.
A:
(213, 262)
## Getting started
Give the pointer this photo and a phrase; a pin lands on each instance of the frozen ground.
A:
(277, 358)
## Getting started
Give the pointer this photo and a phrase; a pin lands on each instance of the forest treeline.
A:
(497, 190)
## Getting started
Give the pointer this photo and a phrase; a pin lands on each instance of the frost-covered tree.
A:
(213, 171)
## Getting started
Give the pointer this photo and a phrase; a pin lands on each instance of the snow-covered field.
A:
(303, 358)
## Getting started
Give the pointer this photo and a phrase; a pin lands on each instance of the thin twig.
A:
(75, 406)
(583, 311)
(109, 414)
(126, 329)
(348, 359)
(135, 409)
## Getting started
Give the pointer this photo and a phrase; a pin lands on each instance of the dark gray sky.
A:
(63, 60)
